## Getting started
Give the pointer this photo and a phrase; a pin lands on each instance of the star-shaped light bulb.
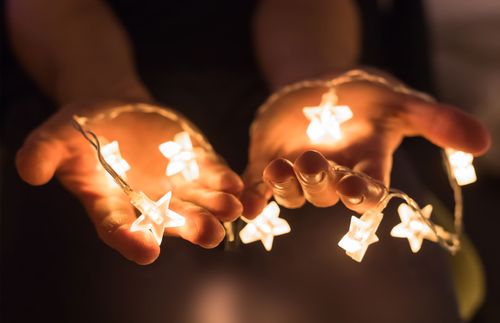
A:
(413, 227)
(182, 157)
(265, 226)
(326, 119)
(112, 155)
(461, 166)
(361, 234)
(155, 216)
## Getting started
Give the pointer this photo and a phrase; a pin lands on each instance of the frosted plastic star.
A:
(326, 119)
(182, 157)
(413, 227)
(112, 155)
(461, 166)
(265, 226)
(361, 234)
(156, 216)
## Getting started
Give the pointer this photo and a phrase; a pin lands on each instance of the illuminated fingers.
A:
(201, 227)
(224, 206)
(446, 126)
(112, 217)
(217, 176)
(360, 194)
(280, 176)
(256, 192)
(313, 173)
(313, 178)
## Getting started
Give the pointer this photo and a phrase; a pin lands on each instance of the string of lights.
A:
(325, 127)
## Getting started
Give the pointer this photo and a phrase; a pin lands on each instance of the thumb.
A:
(39, 158)
(112, 216)
(447, 127)
(256, 193)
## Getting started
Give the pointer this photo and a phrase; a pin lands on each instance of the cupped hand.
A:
(284, 163)
(56, 149)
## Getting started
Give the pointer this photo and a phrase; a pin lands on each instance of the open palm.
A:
(295, 170)
(56, 148)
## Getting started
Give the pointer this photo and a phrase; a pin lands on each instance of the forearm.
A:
(76, 50)
(297, 39)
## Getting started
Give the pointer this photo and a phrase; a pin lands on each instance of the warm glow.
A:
(461, 166)
(265, 226)
(413, 227)
(182, 157)
(112, 155)
(156, 216)
(361, 234)
(326, 119)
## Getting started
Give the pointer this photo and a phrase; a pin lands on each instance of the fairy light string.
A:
(448, 240)
(268, 224)
(155, 216)
(91, 137)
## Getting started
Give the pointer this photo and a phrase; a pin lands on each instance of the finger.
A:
(112, 216)
(360, 194)
(280, 176)
(224, 206)
(201, 228)
(447, 127)
(217, 176)
(256, 193)
(317, 181)
(39, 158)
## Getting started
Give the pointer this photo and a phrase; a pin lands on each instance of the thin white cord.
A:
(449, 241)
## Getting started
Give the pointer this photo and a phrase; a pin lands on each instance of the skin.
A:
(84, 62)
(281, 155)
(295, 171)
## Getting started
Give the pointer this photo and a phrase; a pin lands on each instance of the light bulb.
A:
(265, 226)
(326, 119)
(182, 158)
(111, 153)
(155, 216)
(361, 234)
(413, 227)
(461, 166)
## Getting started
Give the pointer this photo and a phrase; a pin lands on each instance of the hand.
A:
(56, 148)
(382, 118)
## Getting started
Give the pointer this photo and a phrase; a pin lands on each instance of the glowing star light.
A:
(326, 119)
(156, 216)
(265, 226)
(112, 155)
(461, 166)
(413, 227)
(182, 157)
(361, 234)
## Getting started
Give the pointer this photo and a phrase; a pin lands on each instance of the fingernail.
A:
(313, 179)
(282, 185)
(356, 200)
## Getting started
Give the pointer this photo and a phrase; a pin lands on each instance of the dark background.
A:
(35, 248)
